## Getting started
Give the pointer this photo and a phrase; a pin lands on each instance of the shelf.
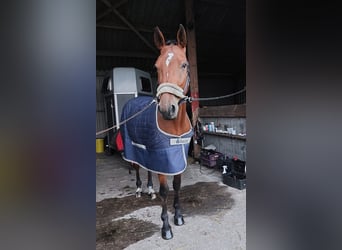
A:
(239, 137)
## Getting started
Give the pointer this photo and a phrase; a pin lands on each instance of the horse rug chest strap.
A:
(173, 141)
(180, 141)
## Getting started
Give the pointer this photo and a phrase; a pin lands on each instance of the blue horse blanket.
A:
(147, 145)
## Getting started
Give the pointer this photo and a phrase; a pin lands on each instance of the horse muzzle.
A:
(169, 97)
(169, 112)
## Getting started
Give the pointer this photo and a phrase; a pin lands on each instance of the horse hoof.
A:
(179, 220)
(167, 234)
(153, 196)
(137, 195)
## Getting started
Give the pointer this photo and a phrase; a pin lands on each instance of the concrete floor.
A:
(225, 230)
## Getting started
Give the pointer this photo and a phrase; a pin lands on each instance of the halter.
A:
(168, 87)
(171, 88)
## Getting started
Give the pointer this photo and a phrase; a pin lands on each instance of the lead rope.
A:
(183, 99)
(129, 118)
(191, 99)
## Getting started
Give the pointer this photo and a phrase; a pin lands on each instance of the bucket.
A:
(99, 145)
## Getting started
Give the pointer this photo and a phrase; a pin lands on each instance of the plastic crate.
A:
(209, 158)
(239, 168)
(233, 181)
(224, 161)
(208, 163)
(210, 155)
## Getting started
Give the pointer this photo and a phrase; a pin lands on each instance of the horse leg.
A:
(178, 219)
(138, 181)
(163, 191)
(151, 191)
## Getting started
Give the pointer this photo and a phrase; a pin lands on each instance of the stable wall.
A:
(100, 109)
(229, 116)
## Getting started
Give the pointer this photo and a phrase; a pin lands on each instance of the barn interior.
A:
(216, 51)
(124, 38)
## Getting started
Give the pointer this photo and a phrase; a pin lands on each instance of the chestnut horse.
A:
(158, 138)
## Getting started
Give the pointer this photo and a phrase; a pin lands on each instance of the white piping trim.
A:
(138, 145)
(184, 156)
(165, 133)
(153, 171)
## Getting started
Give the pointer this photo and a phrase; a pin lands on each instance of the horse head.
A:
(173, 68)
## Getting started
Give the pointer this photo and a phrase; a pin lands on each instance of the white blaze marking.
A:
(168, 59)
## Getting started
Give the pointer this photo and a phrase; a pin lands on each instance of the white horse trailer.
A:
(120, 85)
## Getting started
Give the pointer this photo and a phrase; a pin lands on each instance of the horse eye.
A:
(184, 65)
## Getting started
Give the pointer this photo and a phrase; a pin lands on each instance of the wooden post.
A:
(192, 57)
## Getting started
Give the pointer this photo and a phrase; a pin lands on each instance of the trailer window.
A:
(145, 84)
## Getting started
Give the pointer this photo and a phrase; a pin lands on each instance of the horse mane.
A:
(171, 42)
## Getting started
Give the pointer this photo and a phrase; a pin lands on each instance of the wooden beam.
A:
(192, 57)
(107, 11)
(121, 53)
(223, 111)
(223, 3)
(167, 32)
(103, 14)
(116, 12)
(121, 27)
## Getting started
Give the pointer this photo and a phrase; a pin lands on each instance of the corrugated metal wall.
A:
(100, 109)
(228, 146)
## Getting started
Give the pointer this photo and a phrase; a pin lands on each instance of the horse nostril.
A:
(173, 109)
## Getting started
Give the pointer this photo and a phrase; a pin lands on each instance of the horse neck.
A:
(178, 126)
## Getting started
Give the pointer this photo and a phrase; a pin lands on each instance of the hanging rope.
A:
(191, 99)
(184, 99)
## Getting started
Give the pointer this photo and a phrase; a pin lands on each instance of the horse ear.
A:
(159, 40)
(181, 36)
